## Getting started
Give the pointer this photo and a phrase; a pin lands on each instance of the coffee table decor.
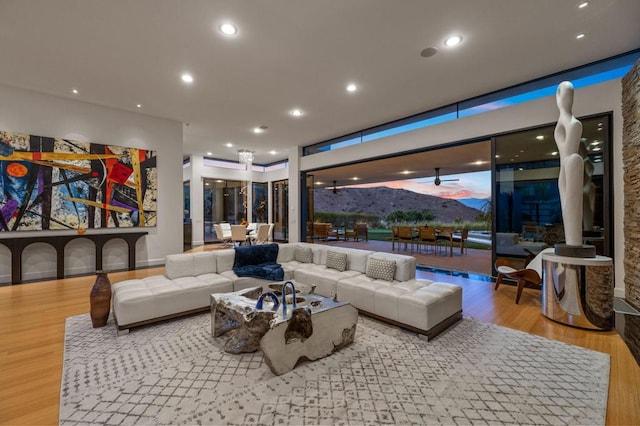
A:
(308, 326)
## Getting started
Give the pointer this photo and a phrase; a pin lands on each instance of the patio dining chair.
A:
(444, 237)
(464, 234)
(405, 235)
(394, 237)
(427, 236)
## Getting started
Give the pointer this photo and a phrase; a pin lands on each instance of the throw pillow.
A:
(336, 260)
(304, 254)
(381, 269)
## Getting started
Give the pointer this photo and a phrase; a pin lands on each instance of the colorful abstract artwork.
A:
(58, 184)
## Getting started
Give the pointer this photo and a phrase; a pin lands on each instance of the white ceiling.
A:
(296, 53)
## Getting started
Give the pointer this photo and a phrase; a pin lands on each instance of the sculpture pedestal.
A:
(578, 292)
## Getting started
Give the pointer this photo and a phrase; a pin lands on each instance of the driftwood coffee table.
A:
(315, 328)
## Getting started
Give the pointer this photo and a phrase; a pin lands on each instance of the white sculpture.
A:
(570, 182)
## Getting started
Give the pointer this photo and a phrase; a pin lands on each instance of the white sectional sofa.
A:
(420, 305)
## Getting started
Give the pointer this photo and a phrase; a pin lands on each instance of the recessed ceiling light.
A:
(319, 183)
(540, 137)
(187, 78)
(520, 168)
(583, 5)
(209, 153)
(453, 41)
(579, 36)
(228, 144)
(497, 155)
(351, 87)
(355, 178)
(273, 152)
(554, 153)
(259, 129)
(517, 155)
(296, 112)
(228, 29)
(219, 180)
(406, 172)
(75, 91)
(139, 105)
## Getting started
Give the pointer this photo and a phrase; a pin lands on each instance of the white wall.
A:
(595, 99)
(24, 111)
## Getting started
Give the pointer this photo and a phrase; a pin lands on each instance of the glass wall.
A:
(280, 198)
(528, 216)
(260, 207)
(224, 201)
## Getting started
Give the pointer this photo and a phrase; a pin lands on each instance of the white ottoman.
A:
(431, 307)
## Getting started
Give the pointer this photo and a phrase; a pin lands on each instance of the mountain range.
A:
(383, 200)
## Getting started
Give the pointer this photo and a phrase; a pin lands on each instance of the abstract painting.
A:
(53, 184)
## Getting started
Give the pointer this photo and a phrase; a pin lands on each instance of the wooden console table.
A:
(59, 242)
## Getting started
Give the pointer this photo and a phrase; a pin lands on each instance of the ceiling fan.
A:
(438, 181)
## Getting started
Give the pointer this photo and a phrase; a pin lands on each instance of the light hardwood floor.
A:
(32, 318)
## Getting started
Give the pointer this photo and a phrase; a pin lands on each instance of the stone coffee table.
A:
(315, 328)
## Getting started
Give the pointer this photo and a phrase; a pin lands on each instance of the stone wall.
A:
(631, 164)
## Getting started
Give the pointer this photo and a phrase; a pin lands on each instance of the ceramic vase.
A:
(100, 299)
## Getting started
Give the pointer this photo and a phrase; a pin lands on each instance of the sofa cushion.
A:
(179, 265)
(405, 265)
(304, 254)
(381, 269)
(337, 261)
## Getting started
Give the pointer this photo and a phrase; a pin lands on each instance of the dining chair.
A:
(262, 234)
(464, 234)
(362, 231)
(239, 234)
(350, 231)
(427, 236)
(444, 236)
(405, 235)
(220, 235)
(394, 237)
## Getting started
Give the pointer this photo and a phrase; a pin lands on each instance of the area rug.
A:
(474, 373)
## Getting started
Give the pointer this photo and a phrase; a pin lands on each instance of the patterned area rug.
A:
(474, 373)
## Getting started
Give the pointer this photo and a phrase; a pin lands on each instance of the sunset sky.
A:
(469, 185)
